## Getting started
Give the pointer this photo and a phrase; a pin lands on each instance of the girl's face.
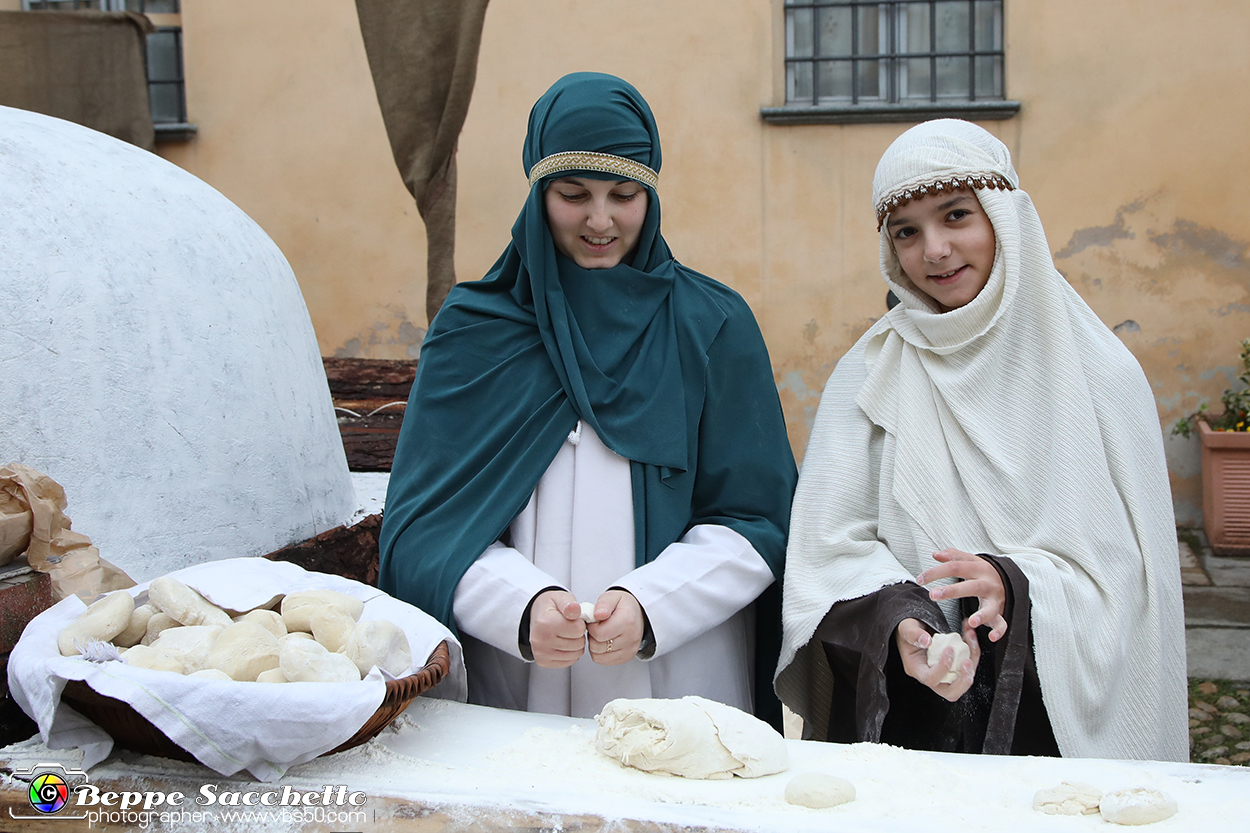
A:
(595, 222)
(945, 244)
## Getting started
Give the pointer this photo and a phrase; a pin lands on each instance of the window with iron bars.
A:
(864, 60)
(167, 96)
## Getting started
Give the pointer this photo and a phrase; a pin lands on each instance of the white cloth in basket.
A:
(228, 726)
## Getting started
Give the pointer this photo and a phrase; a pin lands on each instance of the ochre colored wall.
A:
(1129, 141)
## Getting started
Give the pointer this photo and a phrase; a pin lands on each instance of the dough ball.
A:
(102, 621)
(145, 656)
(158, 624)
(307, 661)
(818, 790)
(282, 640)
(298, 619)
(210, 674)
(184, 604)
(381, 643)
(692, 737)
(136, 627)
(1068, 799)
(192, 643)
(267, 619)
(332, 627)
(273, 675)
(1137, 805)
(588, 613)
(942, 641)
(243, 650)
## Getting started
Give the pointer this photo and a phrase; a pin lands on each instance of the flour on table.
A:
(819, 790)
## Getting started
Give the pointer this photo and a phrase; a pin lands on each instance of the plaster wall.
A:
(156, 359)
(1131, 111)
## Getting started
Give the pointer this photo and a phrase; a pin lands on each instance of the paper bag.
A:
(33, 520)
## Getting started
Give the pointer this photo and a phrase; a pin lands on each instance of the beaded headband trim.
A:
(585, 160)
(924, 189)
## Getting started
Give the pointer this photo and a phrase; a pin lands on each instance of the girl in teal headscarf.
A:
(592, 422)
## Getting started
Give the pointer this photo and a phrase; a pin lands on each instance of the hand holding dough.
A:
(942, 641)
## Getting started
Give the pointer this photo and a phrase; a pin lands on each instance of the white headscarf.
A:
(1016, 425)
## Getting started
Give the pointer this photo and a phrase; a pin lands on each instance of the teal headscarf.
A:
(666, 365)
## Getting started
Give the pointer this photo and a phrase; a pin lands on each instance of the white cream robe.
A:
(1017, 425)
(577, 532)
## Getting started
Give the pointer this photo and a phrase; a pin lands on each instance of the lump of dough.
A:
(136, 627)
(818, 790)
(1068, 799)
(282, 640)
(184, 604)
(192, 644)
(1137, 805)
(145, 656)
(332, 627)
(243, 650)
(267, 619)
(158, 624)
(942, 641)
(381, 643)
(210, 674)
(102, 621)
(273, 675)
(588, 613)
(692, 737)
(307, 661)
(297, 608)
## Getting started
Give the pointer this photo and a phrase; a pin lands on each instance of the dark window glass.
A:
(896, 52)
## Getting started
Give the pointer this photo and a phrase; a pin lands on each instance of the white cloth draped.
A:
(1019, 426)
(577, 532)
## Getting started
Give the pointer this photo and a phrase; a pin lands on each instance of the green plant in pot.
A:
(1236, 416)
(1225, 442)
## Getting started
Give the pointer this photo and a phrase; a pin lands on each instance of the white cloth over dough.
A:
(577, 532)
(692, 737)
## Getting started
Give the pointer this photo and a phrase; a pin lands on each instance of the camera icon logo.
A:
(49, 789)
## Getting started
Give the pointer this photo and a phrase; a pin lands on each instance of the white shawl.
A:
(1017, 425)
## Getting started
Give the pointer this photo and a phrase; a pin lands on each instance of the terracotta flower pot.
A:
(1226, 489)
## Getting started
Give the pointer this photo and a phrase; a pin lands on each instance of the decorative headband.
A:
(924, 189)
(586, 160)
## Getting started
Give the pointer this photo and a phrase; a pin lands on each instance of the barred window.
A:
(895, 59)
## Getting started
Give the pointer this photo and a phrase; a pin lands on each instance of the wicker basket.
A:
(131, 730)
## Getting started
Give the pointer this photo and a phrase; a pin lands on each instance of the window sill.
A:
(868, 113)
(177, 132)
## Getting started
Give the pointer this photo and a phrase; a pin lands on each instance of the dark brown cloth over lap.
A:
(423, 56)
(874, 700)
(85, 67)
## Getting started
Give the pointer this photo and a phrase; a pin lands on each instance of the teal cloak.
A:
(665, 364)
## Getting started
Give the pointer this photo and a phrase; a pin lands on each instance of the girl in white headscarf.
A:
(987, 459)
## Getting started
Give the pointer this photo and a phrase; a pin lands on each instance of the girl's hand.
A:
(615, 637)
(557, 632)
(913, 640)
(980, 579)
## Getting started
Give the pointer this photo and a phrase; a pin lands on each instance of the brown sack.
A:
(32, 519)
